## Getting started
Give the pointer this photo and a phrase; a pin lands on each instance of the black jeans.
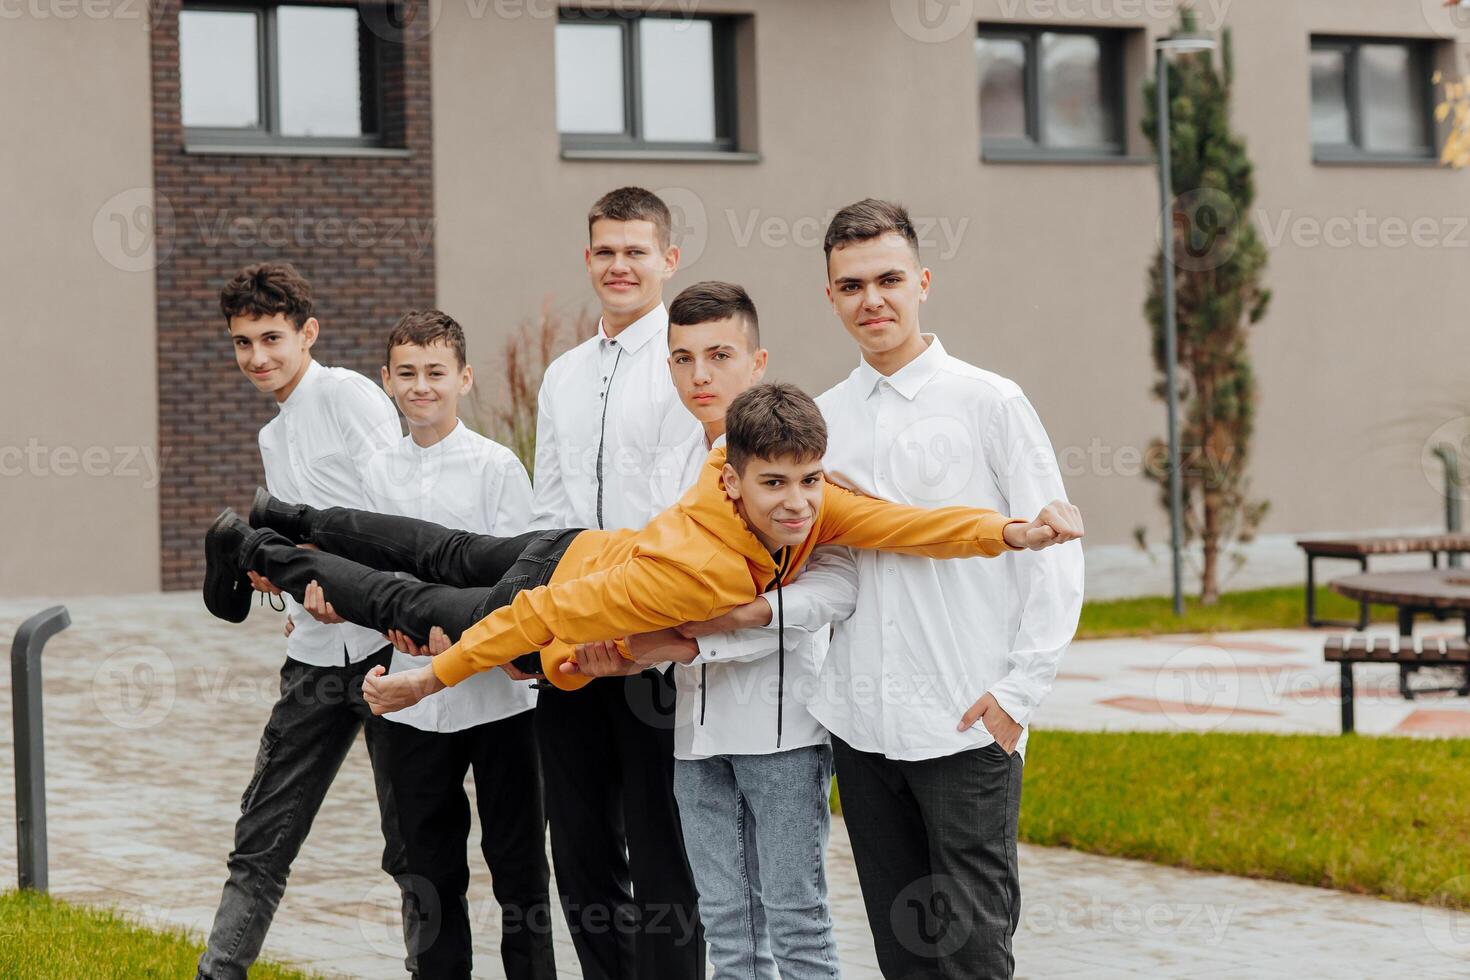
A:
(934, 841)
(310, 731)
(465, 576)
(607, 752)
(428, 771)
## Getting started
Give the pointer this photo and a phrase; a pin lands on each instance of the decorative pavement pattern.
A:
(154, 710)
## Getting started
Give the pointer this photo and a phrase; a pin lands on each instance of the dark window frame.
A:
(267, 133)
(1421, 60)
(1110, 52)
(726, 82)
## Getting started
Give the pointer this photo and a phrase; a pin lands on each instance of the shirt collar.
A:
(443, 444)
(651, 324)
(910, 379)
(313, 372)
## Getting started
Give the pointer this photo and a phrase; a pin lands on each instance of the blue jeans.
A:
(755, 830)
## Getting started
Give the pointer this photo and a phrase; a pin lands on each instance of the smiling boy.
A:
(442, 471)
(330, 421)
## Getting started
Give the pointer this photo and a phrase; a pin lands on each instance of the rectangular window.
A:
(631, 81)
(278, 74)
(1050, 93)
(1371, 100)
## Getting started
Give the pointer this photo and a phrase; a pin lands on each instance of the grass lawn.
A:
(1255, 609)
(48, 939)
(1378, 816)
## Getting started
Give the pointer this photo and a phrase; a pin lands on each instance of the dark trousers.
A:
(428, 772)
(464, 576)
(607, 752)
(935, 846)
(310, 731)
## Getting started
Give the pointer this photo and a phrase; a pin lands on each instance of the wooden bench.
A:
(1418, 652)
(1360, 549)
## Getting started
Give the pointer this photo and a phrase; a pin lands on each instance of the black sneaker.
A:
(226, 587)
(290, 520)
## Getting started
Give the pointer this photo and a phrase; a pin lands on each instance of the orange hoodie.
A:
(696, 560)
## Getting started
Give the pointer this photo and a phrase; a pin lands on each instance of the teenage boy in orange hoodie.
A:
(761, 505)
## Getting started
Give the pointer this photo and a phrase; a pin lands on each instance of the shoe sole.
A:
(258, 505)
(226, 591)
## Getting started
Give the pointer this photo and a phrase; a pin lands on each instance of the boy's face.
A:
(876, 287)
(426, 382)
(778, 498)
(627, 266)
(271, 351)
(711, 363)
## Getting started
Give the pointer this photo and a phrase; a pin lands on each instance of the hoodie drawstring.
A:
(780, 658)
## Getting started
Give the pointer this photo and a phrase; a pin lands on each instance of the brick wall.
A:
(360, 228)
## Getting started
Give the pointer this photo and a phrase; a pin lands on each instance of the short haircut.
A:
(634, 204)
(424, 327)
(867, 219)
(773, 421)
(264, 289)
(711, 300)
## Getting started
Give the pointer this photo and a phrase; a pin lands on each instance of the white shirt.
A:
(930, 637)
(314, 452)
(628, 377)
(727, 698)
(467, 482)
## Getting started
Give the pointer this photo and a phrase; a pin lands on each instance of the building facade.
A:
(446, 155)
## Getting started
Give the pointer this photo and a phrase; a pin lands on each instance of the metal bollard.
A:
(1452, 486)
(30, 756)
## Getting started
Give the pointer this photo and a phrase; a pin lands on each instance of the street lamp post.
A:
(1162, 48)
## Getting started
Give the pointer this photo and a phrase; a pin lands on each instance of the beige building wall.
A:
(1039, 269)
(78, 428)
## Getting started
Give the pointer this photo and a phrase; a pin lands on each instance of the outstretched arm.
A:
(940, 532)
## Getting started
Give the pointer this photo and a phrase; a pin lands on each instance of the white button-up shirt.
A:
(929, 637)
(607, 414)
(727, 698)
(314, 452)
(470, 483)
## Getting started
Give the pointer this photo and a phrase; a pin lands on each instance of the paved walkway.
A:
(154, 711)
